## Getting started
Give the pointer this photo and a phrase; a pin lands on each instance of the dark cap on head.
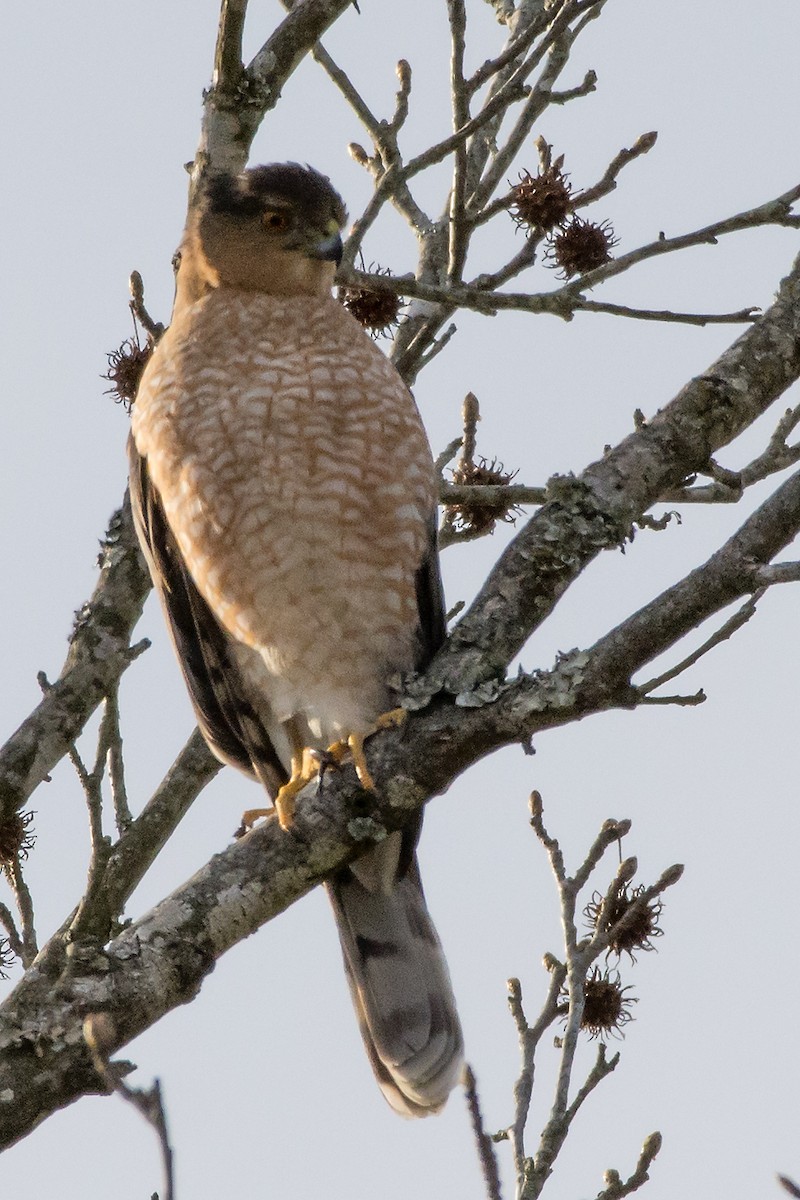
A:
(307, 191)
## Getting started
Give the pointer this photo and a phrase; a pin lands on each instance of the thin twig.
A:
(529, 1039)
(739, 317)
(602, 1067)
(608, 182)
(476, 296)
(148, 1102)
(556, 46)
(485, 1147)
(615, 1189)
(532, 1173)
(27, 940)
(228, 66)
(446, 457)
(605, 933)
(515, 48)
(116, 764)
(734, 623)
(679, 701)
(491, 494)
(10, 926)
(458, 232)
(773, 212)
(776, 456)
(153, 329)
(583, 89)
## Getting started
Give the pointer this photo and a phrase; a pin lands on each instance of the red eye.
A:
(276, 221)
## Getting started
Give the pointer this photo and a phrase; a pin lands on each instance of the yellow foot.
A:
(250, 817)
(305, 767)
(355, 745)
(392, 718)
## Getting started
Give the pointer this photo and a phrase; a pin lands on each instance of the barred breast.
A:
(297, 478)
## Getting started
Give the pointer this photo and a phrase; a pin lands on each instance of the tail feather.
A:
(400, 986)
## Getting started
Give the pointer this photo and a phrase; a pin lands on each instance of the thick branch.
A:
(99, 652)
(596, 510)
(236, 103)
(161, 961)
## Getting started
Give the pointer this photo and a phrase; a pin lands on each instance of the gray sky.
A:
(268, 1090)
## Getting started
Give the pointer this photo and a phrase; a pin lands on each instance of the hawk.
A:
(284, 495)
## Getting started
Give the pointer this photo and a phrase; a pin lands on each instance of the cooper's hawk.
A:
(284, 495)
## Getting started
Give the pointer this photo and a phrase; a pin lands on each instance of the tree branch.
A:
(99, 652)
(239, 98)
(595, 510)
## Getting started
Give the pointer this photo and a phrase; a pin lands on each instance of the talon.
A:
(356, 745)
(336, 752)
(305, 767)
(249, 818)
(392, 719)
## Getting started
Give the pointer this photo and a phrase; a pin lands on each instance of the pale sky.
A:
(267, 1088)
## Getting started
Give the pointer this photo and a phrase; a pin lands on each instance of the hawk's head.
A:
(274, 229)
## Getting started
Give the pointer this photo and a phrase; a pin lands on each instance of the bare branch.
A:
(147, 1102)
(145, 837)
(479, 296)
(773, 212)
(583, 89)
(555, 48)
(116, 764)
(678, 701)
(228, 65)
(615, 1189)
(237, 101)
(483, 1142)
(787, 572)
(492, 495)
(10, 926)
(153, 329)
(734, 623)
(459, 230)
(27, 943)
(533, 1172)
(514, 49)
(99, 652)
(667, 315)
(729, 487)
(593, 512)
(529, 1039)
(608, 183)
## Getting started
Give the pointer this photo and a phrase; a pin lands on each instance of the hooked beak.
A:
(330, 249)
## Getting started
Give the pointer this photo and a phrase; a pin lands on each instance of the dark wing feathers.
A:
(430, 602)
(225, 716)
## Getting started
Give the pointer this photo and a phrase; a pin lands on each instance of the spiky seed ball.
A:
(16, 838)
(605, 1008)
(377, 311)
(7, 957)
(479, 519)
(542, 201)
(580, 247)
(125, 367)
(637, 933)
(605, 1004)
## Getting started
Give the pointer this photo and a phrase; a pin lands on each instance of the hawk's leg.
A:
(355, 744)
(305, 767)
